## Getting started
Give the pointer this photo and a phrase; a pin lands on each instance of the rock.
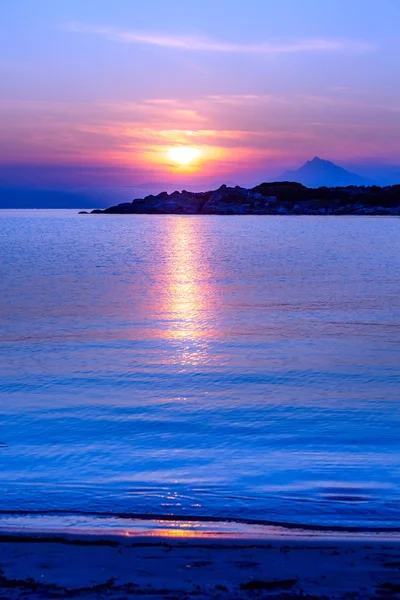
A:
(275, 198)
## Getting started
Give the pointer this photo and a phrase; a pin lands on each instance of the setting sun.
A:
(183, 155)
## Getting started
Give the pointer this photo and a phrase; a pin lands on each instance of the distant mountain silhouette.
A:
(38, 198)
(317, 173)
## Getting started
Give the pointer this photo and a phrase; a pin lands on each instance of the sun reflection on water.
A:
(188, 300)
(181, 529)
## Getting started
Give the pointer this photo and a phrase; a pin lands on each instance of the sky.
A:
(96, 96)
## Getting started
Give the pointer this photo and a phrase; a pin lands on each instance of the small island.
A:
(276, 198)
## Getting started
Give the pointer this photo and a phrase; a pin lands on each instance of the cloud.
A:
(199, 44)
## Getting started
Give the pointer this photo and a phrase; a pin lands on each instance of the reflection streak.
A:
(188, 297)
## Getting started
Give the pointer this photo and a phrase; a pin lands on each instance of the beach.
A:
(171, 566)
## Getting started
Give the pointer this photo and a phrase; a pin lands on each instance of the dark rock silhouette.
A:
(277, 198)
(318, 172)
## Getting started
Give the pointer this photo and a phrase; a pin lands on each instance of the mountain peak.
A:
(319, 172)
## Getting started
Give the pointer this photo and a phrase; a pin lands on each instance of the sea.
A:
(226, 368)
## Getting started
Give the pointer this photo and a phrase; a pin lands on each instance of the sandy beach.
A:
(117, 567)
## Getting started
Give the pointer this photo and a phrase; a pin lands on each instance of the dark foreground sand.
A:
(163, 567)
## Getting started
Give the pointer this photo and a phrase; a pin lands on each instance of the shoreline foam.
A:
(151, 526)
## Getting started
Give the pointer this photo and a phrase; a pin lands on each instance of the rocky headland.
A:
(279, 198)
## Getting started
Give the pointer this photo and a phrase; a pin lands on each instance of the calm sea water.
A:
(229, 367)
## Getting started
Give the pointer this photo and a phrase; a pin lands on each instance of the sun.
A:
(183, 155)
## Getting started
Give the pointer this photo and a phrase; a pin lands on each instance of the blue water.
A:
(228, 367)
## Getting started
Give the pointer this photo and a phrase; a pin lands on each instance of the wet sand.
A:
(87, 567)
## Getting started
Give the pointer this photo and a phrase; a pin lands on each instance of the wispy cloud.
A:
(199, 44)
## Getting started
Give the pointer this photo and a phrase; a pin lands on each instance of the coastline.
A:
(185, 565)
(274, 198)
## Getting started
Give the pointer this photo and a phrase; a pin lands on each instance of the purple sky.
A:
(94, 94)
